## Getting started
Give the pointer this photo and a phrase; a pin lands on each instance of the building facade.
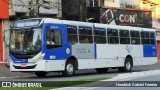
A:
(149, 8)
(74, 10)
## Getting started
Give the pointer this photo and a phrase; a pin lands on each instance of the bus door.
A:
(55, 41)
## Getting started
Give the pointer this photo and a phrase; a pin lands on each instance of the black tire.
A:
(41, 73)
(102, 70)
(69, 69)
(127, 66)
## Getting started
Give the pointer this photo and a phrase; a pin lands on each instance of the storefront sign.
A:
(126, 17)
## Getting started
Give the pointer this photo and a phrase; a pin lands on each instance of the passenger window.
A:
(152, 38)
(145, 38)
(54, 39)
(85, 34)
(72, 36)
(99, 35)
(124, 36)
(135, 37)
(112, 35)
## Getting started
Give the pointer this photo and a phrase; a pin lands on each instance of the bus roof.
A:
(97, 25)
(87, 24)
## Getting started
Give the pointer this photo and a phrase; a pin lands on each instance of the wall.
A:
(18, 6)
(112, 3)
(74, 10)
(130, 4)
(4, 14)
(30, 7)
(158, 50)
(1, 42)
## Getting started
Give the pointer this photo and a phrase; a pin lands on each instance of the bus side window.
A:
(145, 38)
(112, 35)
(100, 35)
(135, 37)
(54, 39)
(50, 37)
(124, 36)
(85, 34)
(72, 36)
(152, 38)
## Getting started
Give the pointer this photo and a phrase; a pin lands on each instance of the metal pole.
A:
(37, 2)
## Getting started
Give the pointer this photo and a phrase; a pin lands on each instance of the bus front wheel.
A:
(69, 69)
(40, 73)
(127, 66)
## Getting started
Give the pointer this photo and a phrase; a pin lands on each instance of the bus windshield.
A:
(25, 40)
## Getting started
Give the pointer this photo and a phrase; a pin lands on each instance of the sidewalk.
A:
(5, 72)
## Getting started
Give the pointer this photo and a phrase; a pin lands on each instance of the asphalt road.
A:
(80, 74)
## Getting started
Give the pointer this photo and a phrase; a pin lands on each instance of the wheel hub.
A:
(128, 65)
(70, 68)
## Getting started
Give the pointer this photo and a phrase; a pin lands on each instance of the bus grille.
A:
(28, 67)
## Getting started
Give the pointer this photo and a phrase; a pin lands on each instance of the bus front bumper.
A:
(38, 66)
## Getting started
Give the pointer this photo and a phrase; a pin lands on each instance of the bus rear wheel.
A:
(102, 70)
(127, 66)
(69, 69)
(41, 73)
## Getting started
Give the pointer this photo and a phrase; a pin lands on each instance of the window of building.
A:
(112, 35)
(124, 36)
(92, 3)
(129, 3)
(99, 35)
(145, 38)
(72, 36)
(135, 37)
(85, 34)
(54, 39)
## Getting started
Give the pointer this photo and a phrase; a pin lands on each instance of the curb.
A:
(3, 64)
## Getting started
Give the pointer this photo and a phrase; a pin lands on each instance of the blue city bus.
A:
(43, 45)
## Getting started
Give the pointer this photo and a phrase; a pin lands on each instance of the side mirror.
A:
(6, 37)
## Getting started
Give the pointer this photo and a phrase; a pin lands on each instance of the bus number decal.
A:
(129, 49)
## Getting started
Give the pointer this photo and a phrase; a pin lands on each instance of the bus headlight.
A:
(32, 60)
(36, 58)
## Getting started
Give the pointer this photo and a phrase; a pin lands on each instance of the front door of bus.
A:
(56, 45)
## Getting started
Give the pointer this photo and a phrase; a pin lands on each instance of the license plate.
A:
(23, 65)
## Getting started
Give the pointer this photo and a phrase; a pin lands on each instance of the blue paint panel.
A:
(95, 52)
(149, 51)
(18, 60)
(59, 53)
